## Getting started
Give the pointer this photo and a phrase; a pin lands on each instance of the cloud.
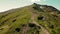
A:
(35, 0)
(44, 0)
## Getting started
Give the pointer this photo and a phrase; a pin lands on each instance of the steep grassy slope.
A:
(49, 18)
(20, 20)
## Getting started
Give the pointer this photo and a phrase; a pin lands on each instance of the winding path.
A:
(43, 29)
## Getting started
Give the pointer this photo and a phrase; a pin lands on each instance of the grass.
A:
(23, 16)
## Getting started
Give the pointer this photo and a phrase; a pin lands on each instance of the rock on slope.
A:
(33, 19)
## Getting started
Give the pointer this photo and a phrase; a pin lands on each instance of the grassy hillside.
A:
(20, 20)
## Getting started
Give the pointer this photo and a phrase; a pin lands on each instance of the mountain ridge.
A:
(33, 19)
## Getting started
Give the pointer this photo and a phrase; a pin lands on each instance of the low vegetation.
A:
(18, 21)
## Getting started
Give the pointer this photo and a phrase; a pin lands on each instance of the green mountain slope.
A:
(33, 19)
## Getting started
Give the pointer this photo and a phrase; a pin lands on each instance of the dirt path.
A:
(43, 29)
(25, 29)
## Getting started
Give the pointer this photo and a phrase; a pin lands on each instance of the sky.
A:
(11, 4)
